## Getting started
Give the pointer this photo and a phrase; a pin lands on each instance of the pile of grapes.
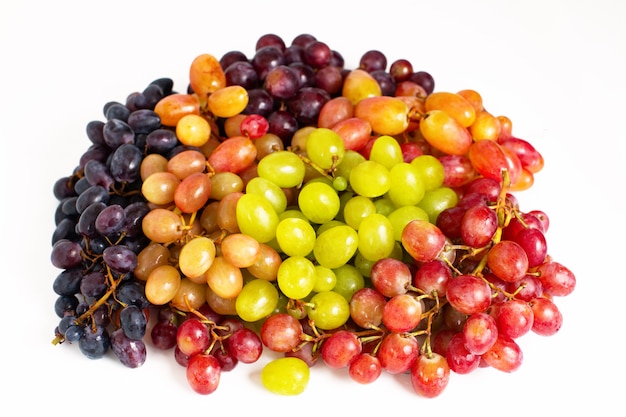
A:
(355, 217)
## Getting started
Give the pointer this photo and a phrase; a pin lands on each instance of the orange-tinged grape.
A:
(196, 256)
(162, 226)
(444, 133)
(223, 306)
(416, 107)
(359, 84)
(267, 263)
(224, 183)
(408, 88)
(208, 218)
(474, 98)
(387, 115)
(173, 107)
(240, 249)
(233, 155)
(300, 138)
(485, 127)
(334, 111)
(150, 257)
(190, 295)
(227, 212)
(206, 75)
(267, 144)
(453, 104)
(193, 192)
(354, 132)
(186, 163)
(162, 284)
(224, 278)
(193, 130)
(524, 182)
(506, 127)
(210, 145)
(515, 165)
(228, 101)
(488, 159)
(159, 188)
(152, 163)
(232, 125)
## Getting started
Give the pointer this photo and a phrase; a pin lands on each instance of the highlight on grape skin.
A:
(286, 202)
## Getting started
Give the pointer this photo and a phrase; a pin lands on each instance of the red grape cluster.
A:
(287, 202)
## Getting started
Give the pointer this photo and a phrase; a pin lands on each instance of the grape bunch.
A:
(285, 202)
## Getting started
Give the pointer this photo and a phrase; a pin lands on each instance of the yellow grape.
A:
(193, 130)
(159, 188)
(224, 278)
(444, 133)
(196, 256)
(152, 163)
(224, 183)
(286, 376)
(386, 115)
(228, 101)
(256, 217)
(172, 108)
(206, 76)
(162, 284)
(162, 226)
(232, 125)
(359, 84)
(376, 237)
(485, 127)
(453, 104)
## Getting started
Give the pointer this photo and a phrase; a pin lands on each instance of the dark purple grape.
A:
(95, 342)
(385, 81)
(86, 225)
(329, 79)
(132, 292)
(66, 254)
(94, 284)
(95, 132)
(64, 188)
(117, 132)
(307, 103)
(65, 304)
(231, 57)
(68, 207)
(133, 322)
(259, 102)
(336, 59)
(163, 335)
(242, 73)
(125, 163)
(110, 220)
(97, 245)
(152, 94)
(73, 333)
(131, 353)
(102, 315)
(115, 110)
(373, 60)
(135, 213)
(317, 54)
(303, 39)
(265, 59)
(293, 54)
(81, 185)
(166, 85)
(161, 141)
(305, 74)
(424, 79)
(282, 82)
(68, 281)
(93, 194)
(270, 39)
(144, 121)
(120, 258)
(94, 152)
(283, 124)
(97, 173)
(65, 229)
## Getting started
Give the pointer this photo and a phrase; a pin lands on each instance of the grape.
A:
(290, 202)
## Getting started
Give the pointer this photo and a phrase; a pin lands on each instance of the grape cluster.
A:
(283, 201)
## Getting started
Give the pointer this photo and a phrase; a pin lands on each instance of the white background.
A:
(556, 68)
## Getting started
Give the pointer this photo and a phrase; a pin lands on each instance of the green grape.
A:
(325, 279)
(325, 148)
(268, 189)
(285, 376)
(356, 209)
(436, 201)
(291, 213)
(256, 217)
(296, 277)
(284, 168)
(349, 280)
(363, 265)
(401, 216)
(328, 310)
(340, 183)
(319, 202)
(386, 151)
(344, 197)
(384, 206)
(335, 246)
(370, 179)
(258, 299)
(406, 185)
(376, 237)
(295, 236)
(329, 225)
(431, 171)
(351, 159)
